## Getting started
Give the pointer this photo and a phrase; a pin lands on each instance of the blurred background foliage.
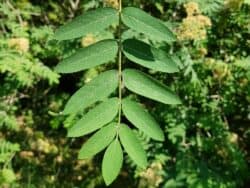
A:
(208, 137)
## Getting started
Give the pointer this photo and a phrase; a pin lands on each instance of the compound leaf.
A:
(90, 22)
(98, 141)
(132, 146)
(112, 162)
(148, 56)
(141, 119)
(96, 90)
(91, 56)
(95, 118)
(142, 84)
(144, 23)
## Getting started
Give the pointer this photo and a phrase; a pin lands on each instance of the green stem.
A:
(120, 63)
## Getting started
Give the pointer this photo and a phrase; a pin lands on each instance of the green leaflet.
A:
(144, 85)
(88, 57)
(98, 141)
(148, 56)
(142, 22)
(95, 118)
(96, 90)
(132, 146)
(137, 115)
(112, 162)
(90, 22)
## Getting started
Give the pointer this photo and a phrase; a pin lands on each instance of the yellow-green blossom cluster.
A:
(152, 175)
(112, 3)
(88, 40)
(194, 26)
(20, 44)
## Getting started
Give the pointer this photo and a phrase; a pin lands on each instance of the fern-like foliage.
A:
(105, 119)
(7, 149)
(7, 121)
(23, 70)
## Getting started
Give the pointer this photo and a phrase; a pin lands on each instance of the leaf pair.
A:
(94, 21)
(113, 156)
(106, 83)
(135, 50)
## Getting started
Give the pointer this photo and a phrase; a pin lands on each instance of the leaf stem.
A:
(120, 63)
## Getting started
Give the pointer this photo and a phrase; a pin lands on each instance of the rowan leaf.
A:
(144, 85)
(88, 57)
(90, 22)
(97, 89)
(141, 119)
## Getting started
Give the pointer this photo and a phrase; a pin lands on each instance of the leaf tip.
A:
(82, 156)
(175, 69)
(56, 36)
(178, 101)
(161, 137)
(70, 134)
(65, 112)
(107, 181)
(144, 165)
(58, 69)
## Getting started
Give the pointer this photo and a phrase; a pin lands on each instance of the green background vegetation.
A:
(207, 138)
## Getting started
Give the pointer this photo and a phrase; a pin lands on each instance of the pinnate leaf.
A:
(91, 56)
(132, 146)
(96, 90)
(98, 141)
(141, 119)
(90, 22)
(144, 23)
(148, 56)
(112, 162)
(144, 85)
(95, 118)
